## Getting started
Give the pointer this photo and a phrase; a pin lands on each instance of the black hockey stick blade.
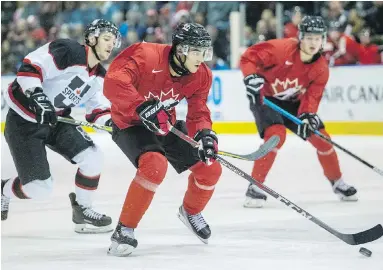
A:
(363, 237)
(262, 151)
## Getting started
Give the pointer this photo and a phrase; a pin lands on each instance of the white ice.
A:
(38, 235)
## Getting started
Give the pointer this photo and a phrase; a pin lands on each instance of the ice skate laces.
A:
(197, 221)
(127, 232)
(4, 203)
(340, 184)
(90, 213)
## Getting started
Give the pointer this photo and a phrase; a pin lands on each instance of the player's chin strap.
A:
(94, 49)
(180, 70)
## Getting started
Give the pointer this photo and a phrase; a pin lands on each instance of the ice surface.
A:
(39, 234)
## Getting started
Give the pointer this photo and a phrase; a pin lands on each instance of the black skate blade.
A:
(367, 236)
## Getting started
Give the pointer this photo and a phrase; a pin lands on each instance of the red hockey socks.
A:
(152, 167)
(201, 186)
(327, 156)
(262, 166)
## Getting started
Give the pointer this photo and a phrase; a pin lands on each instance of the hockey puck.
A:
(365, 252)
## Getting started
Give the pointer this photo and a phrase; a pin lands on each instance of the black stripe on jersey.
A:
(92, 117)
(29, 70)
(20, 97)
(67, 53)
(86, 182)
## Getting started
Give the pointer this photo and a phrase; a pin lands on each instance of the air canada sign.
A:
(354, 93)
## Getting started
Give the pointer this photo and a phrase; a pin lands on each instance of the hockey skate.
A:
(255, 197)
(87, 220)
(196, 223)
(344, 191)
(123, 241)
(4, 202)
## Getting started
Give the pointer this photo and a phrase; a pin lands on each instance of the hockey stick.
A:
(261, 152)
(298, 121)
(351, 239)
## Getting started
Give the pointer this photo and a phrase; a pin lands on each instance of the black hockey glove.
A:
(311, 122)
(254, 83)
(109, 122)
(154, 116)
(208, 145)
(42, 107)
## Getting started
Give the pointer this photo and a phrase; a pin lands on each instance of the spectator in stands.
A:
(369, 53)
(342, 50)
(291, 28)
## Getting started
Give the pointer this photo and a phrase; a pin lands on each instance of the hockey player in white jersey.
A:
(51, 80)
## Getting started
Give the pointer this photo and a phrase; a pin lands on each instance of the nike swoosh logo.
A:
(156, 71)
(288, 63)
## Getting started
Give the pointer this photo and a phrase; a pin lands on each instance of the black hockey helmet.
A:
(186, 38)
(313, 24)
(192, 34)
(100, 25)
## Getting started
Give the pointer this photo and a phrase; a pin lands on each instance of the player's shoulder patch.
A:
(67, 52)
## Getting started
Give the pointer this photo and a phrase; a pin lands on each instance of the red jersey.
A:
(369, 55)
(286, 76)
(291, 30)
(141, 72)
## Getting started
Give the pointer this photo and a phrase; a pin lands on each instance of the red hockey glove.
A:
(208, 145)
(154, 116)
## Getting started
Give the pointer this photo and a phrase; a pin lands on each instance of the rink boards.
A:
(352, 102)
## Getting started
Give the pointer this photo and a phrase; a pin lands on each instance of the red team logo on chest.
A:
(169, 99)
(288, 89)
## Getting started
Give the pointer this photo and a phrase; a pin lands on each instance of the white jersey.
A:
(60, 68)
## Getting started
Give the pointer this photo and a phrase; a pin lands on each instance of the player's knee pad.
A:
(321, 145)
(207, 175)
(36, 189)
(90, 161)
(152, 167)
(278, 130)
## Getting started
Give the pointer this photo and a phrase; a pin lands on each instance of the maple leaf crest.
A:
(169, 99)
(287, 89)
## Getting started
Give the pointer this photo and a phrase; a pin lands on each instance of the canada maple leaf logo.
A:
(169, 99)
(287, 89)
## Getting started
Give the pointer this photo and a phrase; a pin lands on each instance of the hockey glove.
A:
(109, 122)
(42, 107)
(311, 122)
(208, 145)
(154, 116)
(254, 83)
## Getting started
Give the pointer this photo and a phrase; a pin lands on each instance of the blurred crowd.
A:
(355, 34)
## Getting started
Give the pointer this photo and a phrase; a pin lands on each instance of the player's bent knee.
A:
(319, 144)
(207, 175)
(90, 161)
(38, 189)
(278, 130)
(152, 166)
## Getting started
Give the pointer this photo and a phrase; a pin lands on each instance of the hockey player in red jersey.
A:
(51, 80)
(292, 74)
(144, 84)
